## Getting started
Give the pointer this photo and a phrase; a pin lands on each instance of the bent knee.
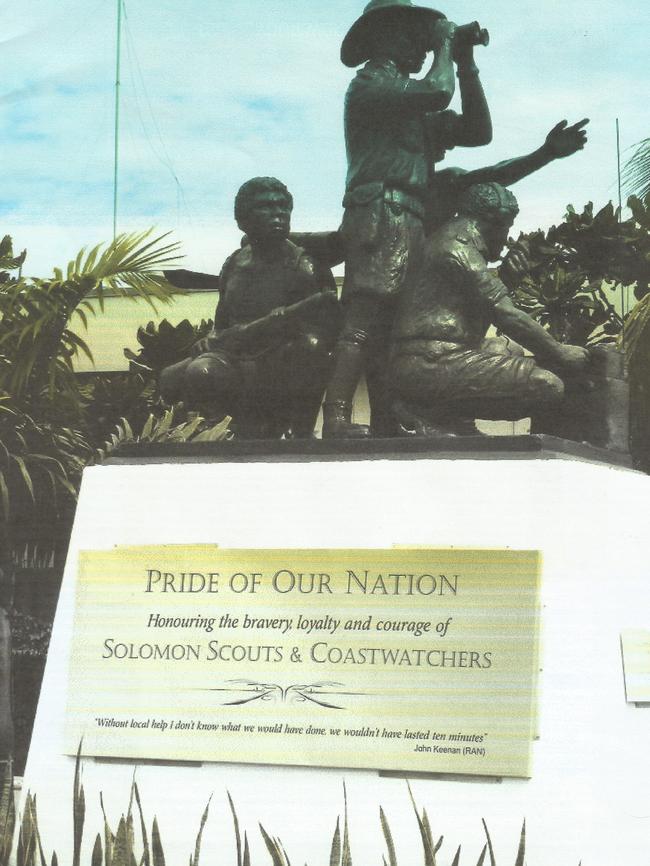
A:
(208, 373)
(172, 381)
(312, 345)
(546, 386)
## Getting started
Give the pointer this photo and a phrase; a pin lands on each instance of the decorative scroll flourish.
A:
(316, 693)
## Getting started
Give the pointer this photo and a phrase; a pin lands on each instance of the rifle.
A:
(281, 322)
(321, 307)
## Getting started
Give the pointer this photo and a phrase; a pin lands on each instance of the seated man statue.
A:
(267, 360)
(443, 372)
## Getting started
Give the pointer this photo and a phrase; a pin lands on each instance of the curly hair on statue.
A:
(487, 200)
(249, 191)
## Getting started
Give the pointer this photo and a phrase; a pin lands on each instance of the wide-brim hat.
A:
(355, 47)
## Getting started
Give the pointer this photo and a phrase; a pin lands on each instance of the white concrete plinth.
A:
(589, 797)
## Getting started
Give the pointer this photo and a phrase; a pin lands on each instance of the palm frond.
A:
(34, 313)
(636, 172)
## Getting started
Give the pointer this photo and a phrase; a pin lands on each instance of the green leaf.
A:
(78, 810)
(274, 848)
(425, 833)
(146, 853)
(489, 844)
(390, 845)
(4, 494)
(157, 853)
(236, 823)
(162, 428)
(197, 845)
(121, 848)
(98, 854)
(148, 427)
(521, 853)
(25, 474)
(335, 850)
(346, 856)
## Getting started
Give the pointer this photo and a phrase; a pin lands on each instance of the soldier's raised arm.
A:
(473, 126)
(562, 141)
(435, 91)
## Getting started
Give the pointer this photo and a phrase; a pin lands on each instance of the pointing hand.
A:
(564, 140)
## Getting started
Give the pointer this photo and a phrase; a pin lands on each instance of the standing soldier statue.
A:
(388, 132)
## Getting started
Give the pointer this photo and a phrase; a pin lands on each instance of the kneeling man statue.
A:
(444, 371)
(267, 360)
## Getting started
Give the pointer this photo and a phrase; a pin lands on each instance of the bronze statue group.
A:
(418, 295)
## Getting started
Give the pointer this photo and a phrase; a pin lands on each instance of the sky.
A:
(215, 92)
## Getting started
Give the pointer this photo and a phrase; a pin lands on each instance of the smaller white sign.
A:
(636, 665)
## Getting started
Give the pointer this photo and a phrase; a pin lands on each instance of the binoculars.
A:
(472, 34)
(467, 34)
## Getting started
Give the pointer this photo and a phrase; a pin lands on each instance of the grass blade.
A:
(335, 851)
(157, 853)
(98, 854)
(41, 853)
(346, 858)
(390, 845)
(274, 849)
(109, 837)
(78, 810)
(521, 853)
(425, 833)
(197, 845)
(489, 843)
(146, 853)
(121, 848)
(7, 815)
(236, 823)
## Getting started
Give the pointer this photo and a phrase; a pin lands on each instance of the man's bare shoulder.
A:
(241, 258)
(312, 270)
(457, 246)
(449, 175)
(376, 77)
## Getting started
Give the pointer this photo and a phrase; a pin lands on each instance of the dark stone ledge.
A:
(530, 447)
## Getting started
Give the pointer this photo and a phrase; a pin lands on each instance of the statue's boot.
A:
(337, 423)
(337, 409)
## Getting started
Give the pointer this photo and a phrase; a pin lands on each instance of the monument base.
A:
(588, 795)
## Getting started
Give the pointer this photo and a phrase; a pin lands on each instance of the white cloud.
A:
(214, 93)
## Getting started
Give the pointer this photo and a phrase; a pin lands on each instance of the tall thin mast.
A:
(620, 211)
(116, 154)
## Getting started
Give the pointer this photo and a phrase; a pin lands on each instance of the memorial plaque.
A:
(403, 659)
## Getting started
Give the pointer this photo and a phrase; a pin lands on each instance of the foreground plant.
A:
(43, 442)
(37, 345)
(119, 847)
(46, 437)
(7, 813)
(164, 429)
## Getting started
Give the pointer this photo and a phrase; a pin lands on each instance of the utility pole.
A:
(116, 153)
(620, 213)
